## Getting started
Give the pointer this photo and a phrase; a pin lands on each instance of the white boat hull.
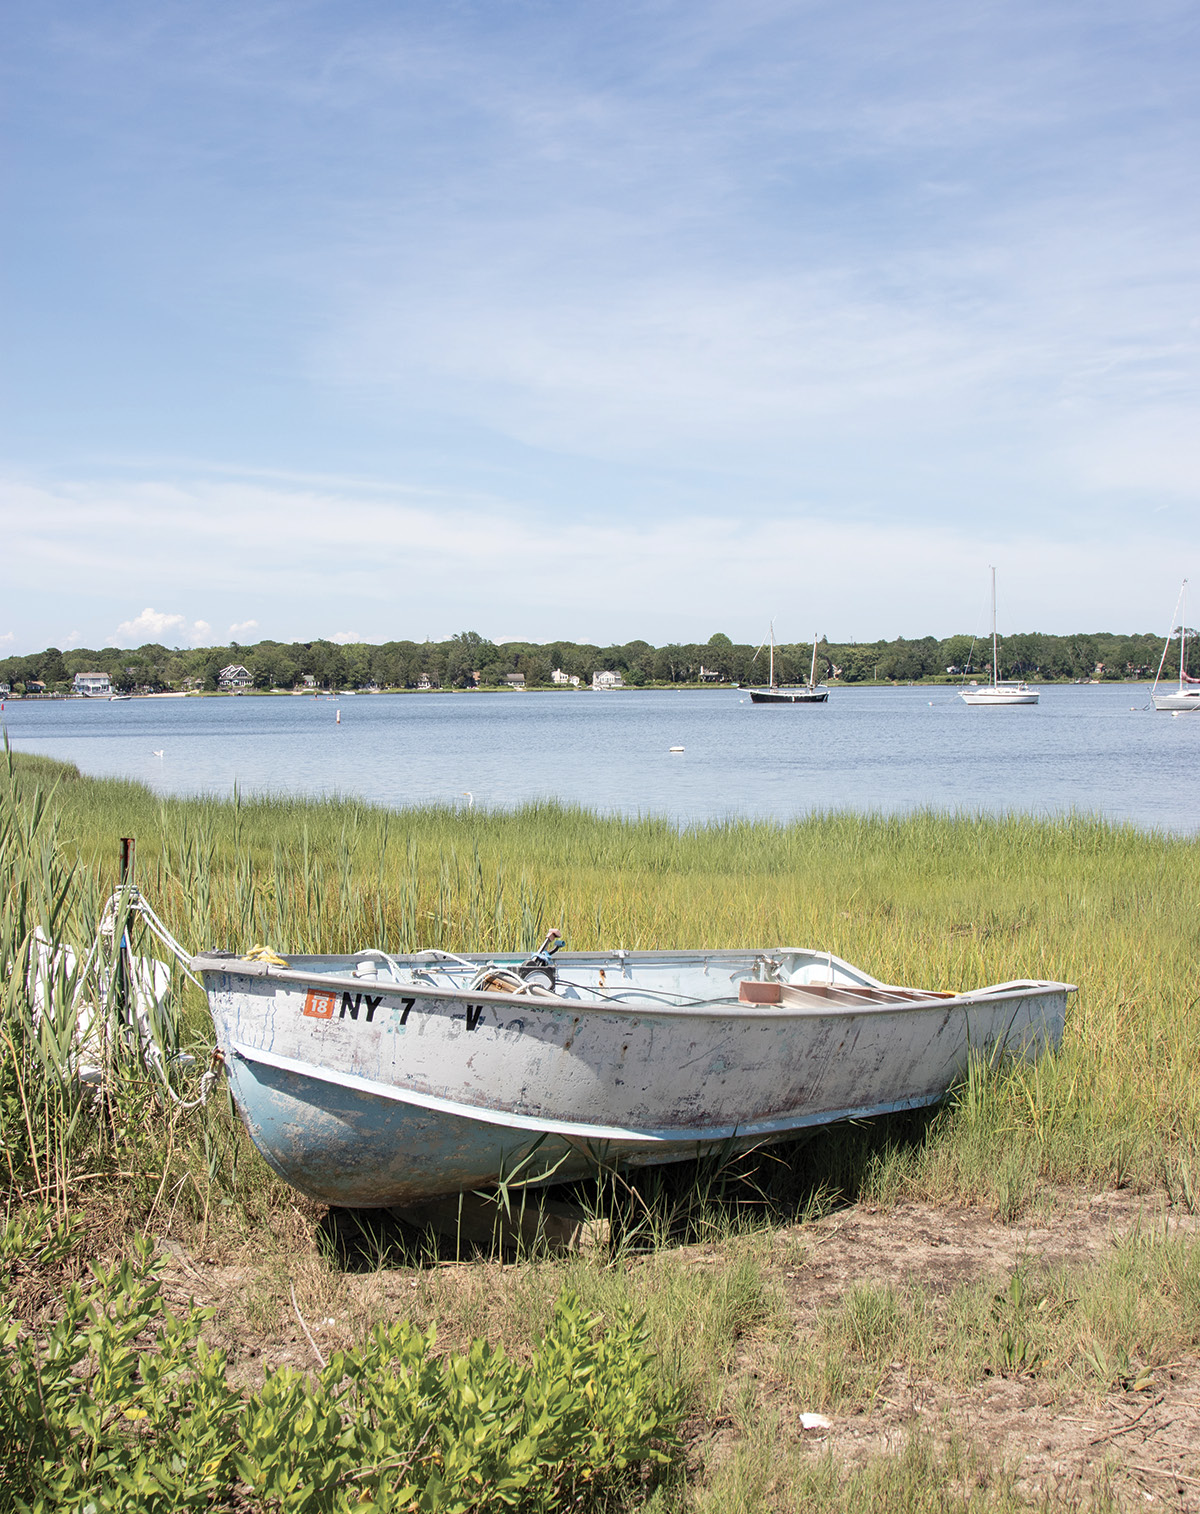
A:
(1184, 699)
(1000, 696)
(392, 1088)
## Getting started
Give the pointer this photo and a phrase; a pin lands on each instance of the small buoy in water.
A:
(675, 749)
(339, 718)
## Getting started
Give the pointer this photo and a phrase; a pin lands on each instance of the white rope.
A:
(393, 965)
(136, 904)
(206, 1083)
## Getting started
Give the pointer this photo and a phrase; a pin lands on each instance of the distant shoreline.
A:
(644, 688)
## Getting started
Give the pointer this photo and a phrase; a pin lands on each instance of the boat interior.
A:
(785, 978)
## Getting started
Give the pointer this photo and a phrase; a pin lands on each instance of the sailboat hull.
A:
(819, 695)
(1000, 696)
(1185, 699)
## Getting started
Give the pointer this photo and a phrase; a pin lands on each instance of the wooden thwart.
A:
(816, 995)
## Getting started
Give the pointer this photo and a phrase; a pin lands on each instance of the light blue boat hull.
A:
(343, 1145)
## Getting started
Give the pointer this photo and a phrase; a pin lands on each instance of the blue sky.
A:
(377, 320)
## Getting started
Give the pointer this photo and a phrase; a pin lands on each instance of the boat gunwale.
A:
(728, 1008)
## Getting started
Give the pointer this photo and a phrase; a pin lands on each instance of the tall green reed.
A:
(41, 1101)
(88, 1090)
(932, 899)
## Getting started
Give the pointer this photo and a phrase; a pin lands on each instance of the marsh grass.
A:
(927, 899)
(91, 1114)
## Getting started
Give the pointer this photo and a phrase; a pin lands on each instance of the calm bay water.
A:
(1095, 748)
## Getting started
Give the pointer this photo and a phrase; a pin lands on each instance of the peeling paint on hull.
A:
(401, 1090)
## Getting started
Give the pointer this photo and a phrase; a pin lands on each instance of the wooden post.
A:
(121, 984)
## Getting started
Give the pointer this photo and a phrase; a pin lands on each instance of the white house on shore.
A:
(93, 685)
(234, 677)
(607, 680)
(559, 677)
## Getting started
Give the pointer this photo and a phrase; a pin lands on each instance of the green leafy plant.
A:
(1015, 1310)
(1116, 1368)
(119, 1405)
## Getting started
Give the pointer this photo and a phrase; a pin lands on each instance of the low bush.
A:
(118, 1405)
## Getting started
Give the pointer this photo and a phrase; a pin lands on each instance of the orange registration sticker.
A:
(319, 1006)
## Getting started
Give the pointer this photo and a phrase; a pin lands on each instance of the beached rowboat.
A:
(376, 1080)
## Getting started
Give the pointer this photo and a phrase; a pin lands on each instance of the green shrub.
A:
(119, 1405)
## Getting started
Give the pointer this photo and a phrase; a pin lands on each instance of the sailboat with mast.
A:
(1001, 691)
(1187, 695)
(811, 692)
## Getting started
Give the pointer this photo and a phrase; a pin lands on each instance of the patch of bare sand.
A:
(1142, 1448)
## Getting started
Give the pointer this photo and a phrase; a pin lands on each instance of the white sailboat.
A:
(1000, 691)
(811, 692)
(1187, 694)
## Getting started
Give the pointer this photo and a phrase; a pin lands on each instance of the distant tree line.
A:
(470, 660)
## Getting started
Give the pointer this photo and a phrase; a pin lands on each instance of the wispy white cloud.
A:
(346, 638)
(7, 638)
(1049, 321)
(238, 630)
(436, 565)
(154, 625)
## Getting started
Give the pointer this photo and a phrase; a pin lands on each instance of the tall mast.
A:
(771, 679)
(995, 663)
(812, 672)
(1182, 632)
(1180, 610)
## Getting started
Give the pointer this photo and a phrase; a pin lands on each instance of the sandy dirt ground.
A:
(1141, 1448)
(1146, 1445)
